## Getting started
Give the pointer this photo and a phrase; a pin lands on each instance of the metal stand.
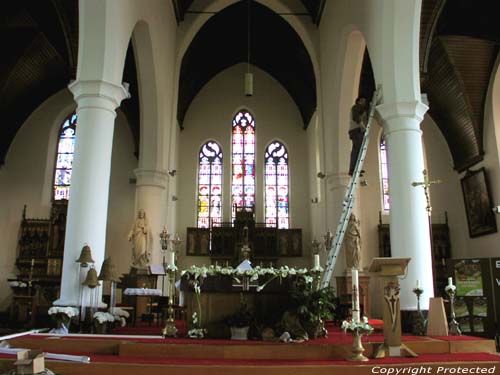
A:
(453, 326)
(170, 329)
(418, 323)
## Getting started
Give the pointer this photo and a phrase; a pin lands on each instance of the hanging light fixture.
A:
(248, 75)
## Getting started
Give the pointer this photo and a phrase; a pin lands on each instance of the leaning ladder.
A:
(348, 202)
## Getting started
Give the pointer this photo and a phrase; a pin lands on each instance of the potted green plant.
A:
(313, 307)
(239, 323)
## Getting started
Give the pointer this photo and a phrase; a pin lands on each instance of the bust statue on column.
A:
(140, 236)
(353, 243)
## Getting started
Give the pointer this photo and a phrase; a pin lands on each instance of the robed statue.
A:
(353, 243)
(140, 236)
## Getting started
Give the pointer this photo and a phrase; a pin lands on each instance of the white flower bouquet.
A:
(104, 317)
(17, 284)
(358, 328)
(62, 316)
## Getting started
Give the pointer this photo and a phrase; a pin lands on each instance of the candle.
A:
(450, 280)
(316, 261)
(418, 284)
(32, 262)
(355, 295)
(171, 258)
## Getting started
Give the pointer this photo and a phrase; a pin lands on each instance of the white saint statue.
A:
(140, 236)
(353, 243)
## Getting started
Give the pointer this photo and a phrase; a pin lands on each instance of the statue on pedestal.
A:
(353, 243)
(140, 236)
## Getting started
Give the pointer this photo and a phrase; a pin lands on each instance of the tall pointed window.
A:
(243, 162)
(384, 175)
(276, 180)
(210, 185)
(64, 159)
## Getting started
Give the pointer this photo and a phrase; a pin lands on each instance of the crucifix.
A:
(426, 184)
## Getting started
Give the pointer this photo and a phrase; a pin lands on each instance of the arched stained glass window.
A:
(64, 159)
(276, 182)
(384, 175)
(243, 162)
(210, 185)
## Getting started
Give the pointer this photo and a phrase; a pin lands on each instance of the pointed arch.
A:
(243, 162)
(276, 185)
(209, 185)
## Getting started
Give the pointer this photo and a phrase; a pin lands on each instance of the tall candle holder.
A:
(453, 326)
(170, 246)
(418, 322)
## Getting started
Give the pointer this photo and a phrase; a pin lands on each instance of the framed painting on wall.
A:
(478, 206)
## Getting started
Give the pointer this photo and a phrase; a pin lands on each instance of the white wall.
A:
(210, 117)
(26, 178)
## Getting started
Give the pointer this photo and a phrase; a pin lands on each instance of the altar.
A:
(221, 296)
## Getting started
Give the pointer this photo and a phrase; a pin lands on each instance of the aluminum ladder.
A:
(348, 202)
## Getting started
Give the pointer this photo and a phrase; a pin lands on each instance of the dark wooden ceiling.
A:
(41, 40)
(458, 46)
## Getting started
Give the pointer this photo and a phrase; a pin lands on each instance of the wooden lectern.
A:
(389, 269)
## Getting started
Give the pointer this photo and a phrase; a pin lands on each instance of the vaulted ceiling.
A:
(274, 47)
(458, 48)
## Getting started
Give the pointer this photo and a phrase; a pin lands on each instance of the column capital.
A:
(98, 94)
(413, 111)
(337, 181)
(151, 177)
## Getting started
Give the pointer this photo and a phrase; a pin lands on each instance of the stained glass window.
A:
(384, 175)
(64, 160)
(210, 185)
(243, 162)
(276, 182)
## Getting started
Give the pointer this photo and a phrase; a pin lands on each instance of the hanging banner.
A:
(468, 278)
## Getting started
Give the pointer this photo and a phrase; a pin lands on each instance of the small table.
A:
(143, 299)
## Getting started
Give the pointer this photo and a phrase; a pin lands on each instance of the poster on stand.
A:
(468, 278)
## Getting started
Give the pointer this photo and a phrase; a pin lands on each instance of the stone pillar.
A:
(336, 187)
(88, 203)
(409, 225)
(151, 194)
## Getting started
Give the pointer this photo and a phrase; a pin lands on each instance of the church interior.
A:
(186, 162)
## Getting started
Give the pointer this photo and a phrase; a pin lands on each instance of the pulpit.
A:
(389, 269)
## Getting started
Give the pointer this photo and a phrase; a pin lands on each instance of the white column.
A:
(409, 225)
(88, 203)
(336, 187)
(151, 196)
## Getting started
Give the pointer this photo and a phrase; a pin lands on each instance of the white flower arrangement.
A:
(103, 317)
(359, 328)
(68, 311)
(254, 274)
(120, 312)
(197, 332)
(120, 316)
(18, 284)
